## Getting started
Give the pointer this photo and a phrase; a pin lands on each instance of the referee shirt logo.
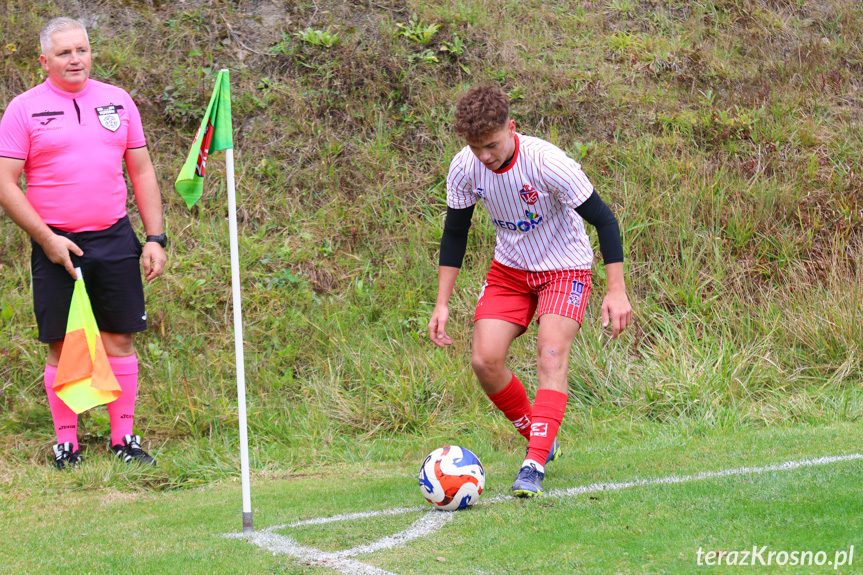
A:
(108, 117)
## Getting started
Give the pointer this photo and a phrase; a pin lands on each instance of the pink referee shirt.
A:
(72, 145)
(531, 203)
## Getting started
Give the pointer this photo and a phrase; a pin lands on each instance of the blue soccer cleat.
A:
(556, 451)
(528, 482)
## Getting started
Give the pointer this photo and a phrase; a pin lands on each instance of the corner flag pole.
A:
(238, 343)
(216, 133)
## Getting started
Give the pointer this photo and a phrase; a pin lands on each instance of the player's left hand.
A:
(153, 259)
(617, 311)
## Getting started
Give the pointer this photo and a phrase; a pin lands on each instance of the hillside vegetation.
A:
(725, 134)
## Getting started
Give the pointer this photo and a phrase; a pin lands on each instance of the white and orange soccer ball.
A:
(451, 478)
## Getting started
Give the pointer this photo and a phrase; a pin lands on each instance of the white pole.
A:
(238, 342)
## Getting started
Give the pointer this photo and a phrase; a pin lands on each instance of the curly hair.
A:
(480, 111)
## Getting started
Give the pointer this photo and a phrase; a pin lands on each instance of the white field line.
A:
(281, 545)
(350, 517)
(434, 520)
(338, 561)
(787, 466)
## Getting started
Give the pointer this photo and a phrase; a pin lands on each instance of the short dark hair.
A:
(480, 111)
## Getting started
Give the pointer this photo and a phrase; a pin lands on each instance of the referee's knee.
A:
(118, 344)
(54, 350)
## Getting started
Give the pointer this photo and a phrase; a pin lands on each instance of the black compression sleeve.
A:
(453, 242)
(595, 212)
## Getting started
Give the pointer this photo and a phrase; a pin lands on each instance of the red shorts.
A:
(514, 295)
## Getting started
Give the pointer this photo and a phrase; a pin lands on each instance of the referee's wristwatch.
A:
(161, 239)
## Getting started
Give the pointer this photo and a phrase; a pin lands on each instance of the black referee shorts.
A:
(112, 275)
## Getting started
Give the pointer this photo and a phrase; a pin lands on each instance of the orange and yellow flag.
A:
(84, 378)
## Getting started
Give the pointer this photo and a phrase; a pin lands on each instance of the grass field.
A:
(640, 529)
(726, 136)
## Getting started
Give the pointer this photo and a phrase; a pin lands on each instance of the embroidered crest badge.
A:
(528, 194)
(108, 117)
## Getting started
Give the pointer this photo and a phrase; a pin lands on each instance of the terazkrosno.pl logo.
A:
(762, 556)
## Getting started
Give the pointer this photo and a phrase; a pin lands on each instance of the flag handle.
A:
(238, 342)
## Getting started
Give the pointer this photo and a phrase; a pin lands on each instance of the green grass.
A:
(725, 134)
(654, 528)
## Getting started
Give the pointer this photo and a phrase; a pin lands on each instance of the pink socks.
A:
(65, 420)
(121, 411)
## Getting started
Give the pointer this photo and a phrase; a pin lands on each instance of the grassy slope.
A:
(724, 133)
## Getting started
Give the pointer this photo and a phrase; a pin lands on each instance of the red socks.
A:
(548, 409)
(121, 411)
(539, 424)
(515, 405)
(65, 420)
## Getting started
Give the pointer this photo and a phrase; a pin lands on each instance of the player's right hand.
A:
(437, 333)
(57, 249)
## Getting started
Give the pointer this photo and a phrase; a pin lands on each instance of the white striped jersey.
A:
(531, 203)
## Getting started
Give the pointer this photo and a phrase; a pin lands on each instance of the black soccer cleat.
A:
(64, 456)
(131, 451)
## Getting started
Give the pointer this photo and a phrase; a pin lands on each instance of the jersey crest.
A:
(528, 194)
(108, 117)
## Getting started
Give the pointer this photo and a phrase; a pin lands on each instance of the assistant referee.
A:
(70, 136)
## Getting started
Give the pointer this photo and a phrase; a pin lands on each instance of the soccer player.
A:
(70, 136)
(538, 199)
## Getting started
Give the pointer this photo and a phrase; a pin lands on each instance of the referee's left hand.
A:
(153, 260)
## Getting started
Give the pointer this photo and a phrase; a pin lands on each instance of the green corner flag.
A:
(215, 133)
